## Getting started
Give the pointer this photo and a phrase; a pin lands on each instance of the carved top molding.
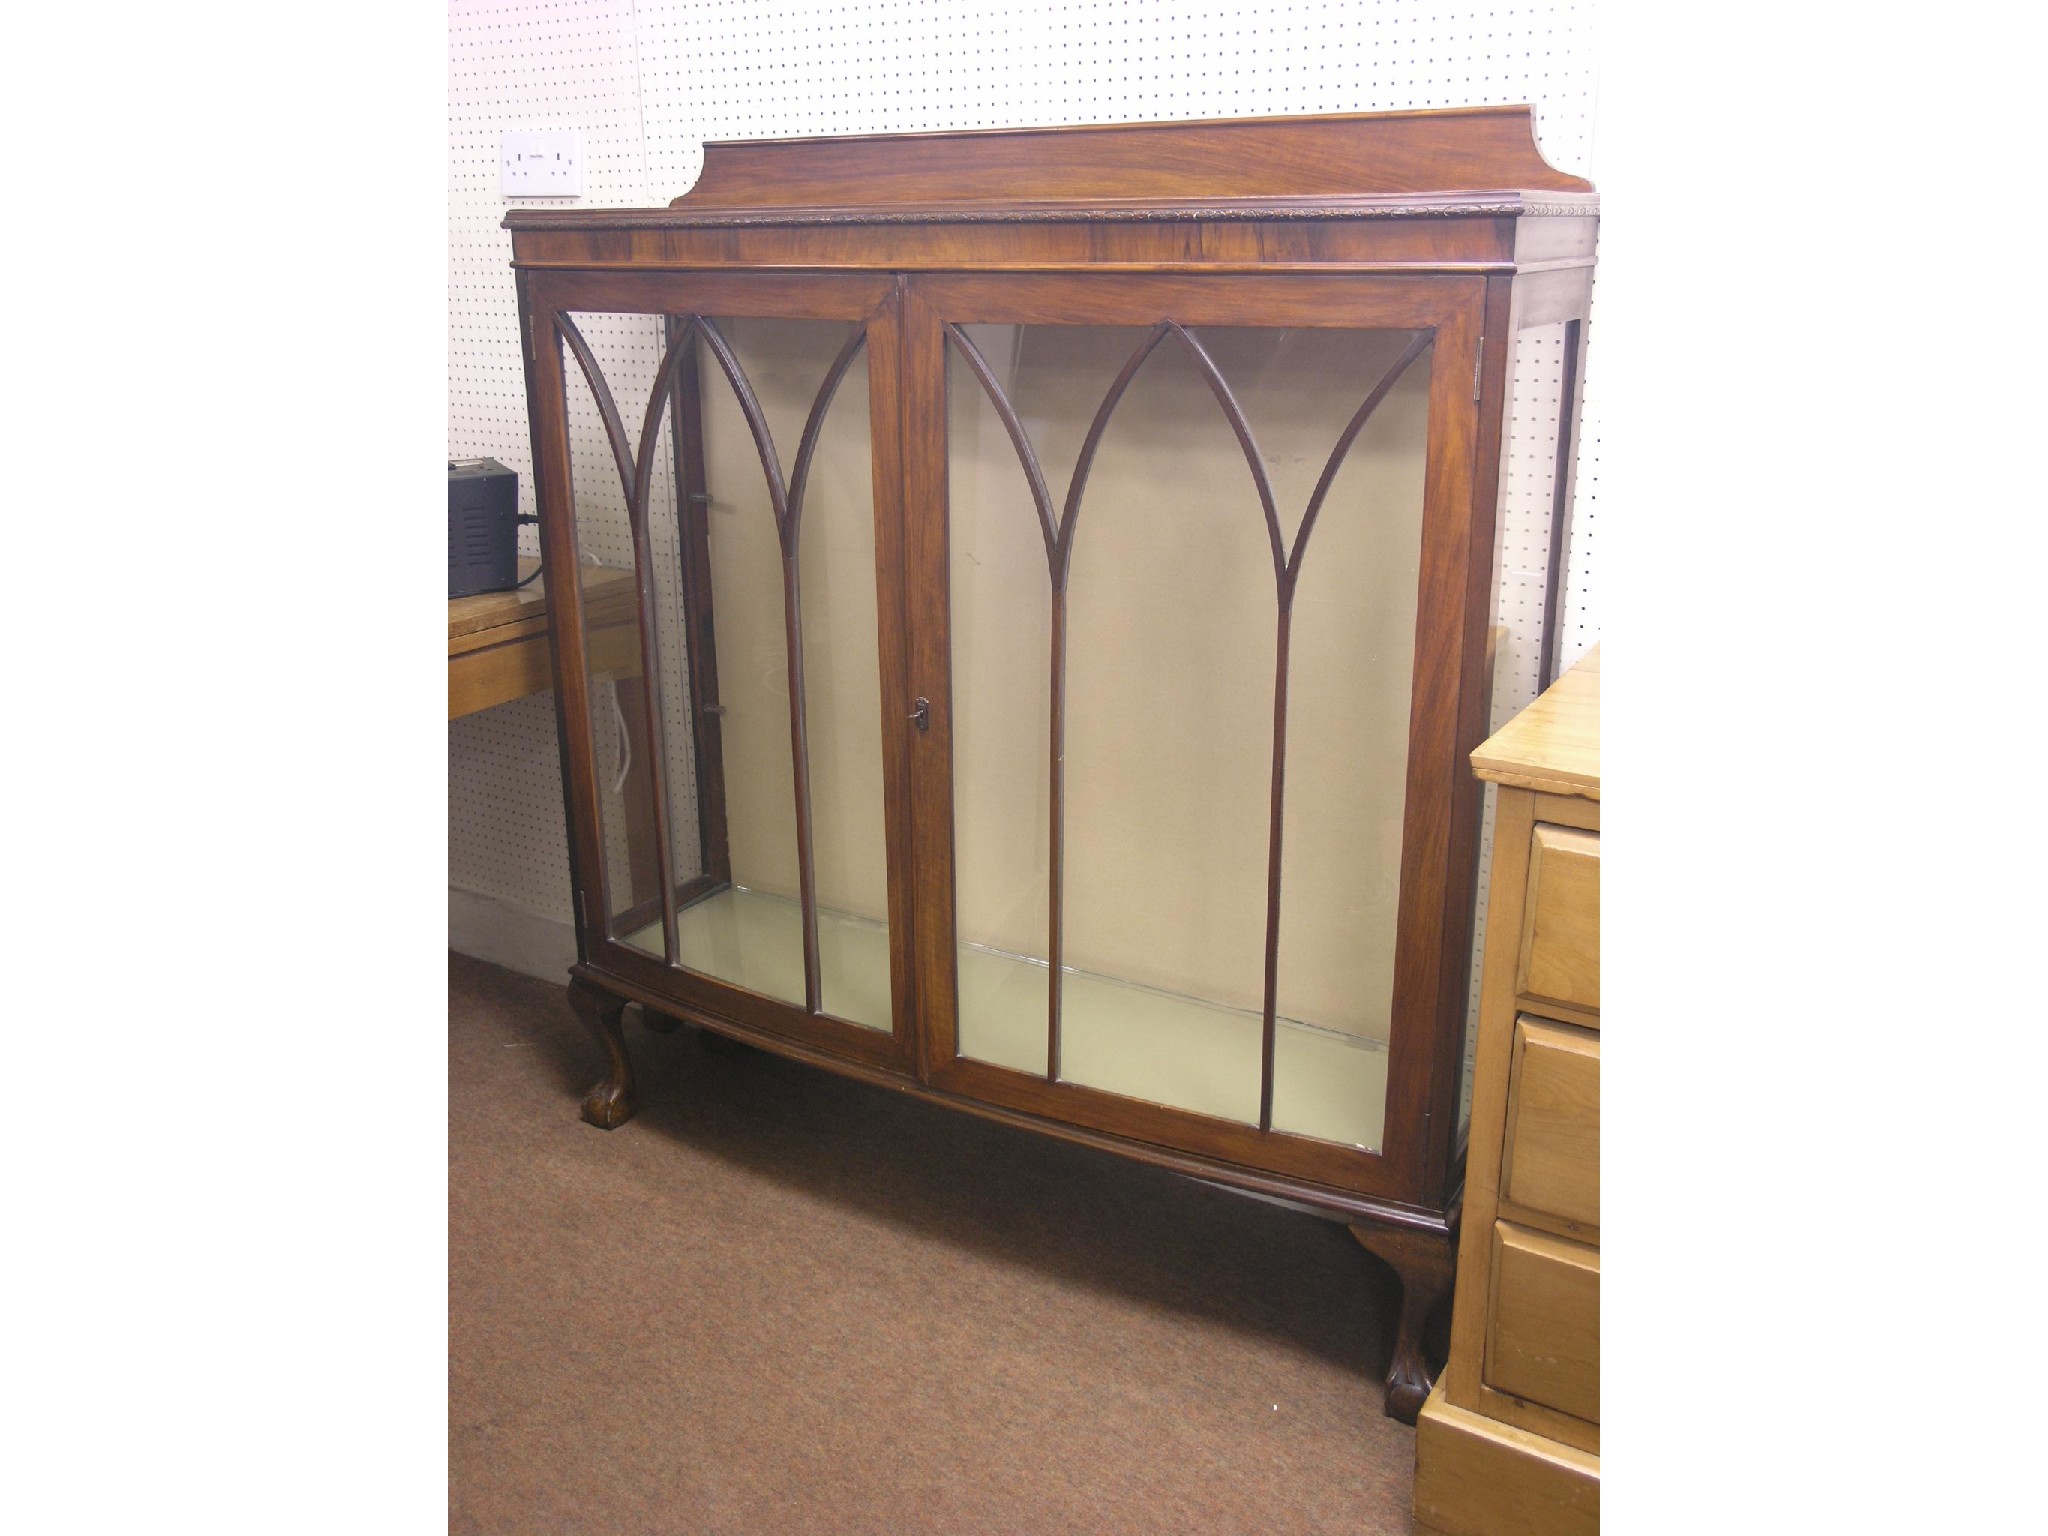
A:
(1470, 161)
(1486, 205)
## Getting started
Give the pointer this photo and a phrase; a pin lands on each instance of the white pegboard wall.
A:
(715, 69)
(540, 63)
(536, 64)
(507, 836)
(1579, 628)
(645, 82)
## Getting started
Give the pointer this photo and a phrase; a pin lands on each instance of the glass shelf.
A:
(755, 940)
(1116, 1036)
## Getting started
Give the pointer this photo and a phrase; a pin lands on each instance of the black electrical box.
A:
(483, 527)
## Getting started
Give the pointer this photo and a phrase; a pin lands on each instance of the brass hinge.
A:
(1476, 362)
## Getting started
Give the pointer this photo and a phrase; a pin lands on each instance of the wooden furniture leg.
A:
(1425, 1264)
(610, 1104)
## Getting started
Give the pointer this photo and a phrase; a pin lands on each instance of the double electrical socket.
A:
(541, 162)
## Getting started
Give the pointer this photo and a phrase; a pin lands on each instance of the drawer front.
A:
(1552, 1160)
(1561, 936)
(1543, 1321)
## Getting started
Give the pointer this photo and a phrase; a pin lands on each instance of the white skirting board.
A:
(532, 943)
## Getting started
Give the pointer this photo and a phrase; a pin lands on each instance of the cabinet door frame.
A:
(1436, 877)
(872, 301)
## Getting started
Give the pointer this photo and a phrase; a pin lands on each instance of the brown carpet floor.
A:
(780, 1301)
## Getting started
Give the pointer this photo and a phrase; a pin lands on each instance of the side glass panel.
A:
(691, 823)
(1127, 921)
(1537, 401)
(639, 717)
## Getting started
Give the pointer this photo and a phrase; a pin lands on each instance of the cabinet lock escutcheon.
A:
(921, 712)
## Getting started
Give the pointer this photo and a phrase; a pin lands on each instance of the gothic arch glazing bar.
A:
(1060, 535)
(1059, 545)
(1041, 498)
(813, 423)
(786, 497)
(1288, 577)
(614, 428)
(1213, 377)
(634, 480)
(1338, 454)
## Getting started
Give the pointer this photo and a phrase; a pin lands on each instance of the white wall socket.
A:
(541, 162)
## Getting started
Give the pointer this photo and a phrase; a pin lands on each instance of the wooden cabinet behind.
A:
(1509, 1440)
(1065, 565)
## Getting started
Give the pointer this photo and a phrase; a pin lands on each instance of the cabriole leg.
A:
(610, 1104)
(1425, 1265)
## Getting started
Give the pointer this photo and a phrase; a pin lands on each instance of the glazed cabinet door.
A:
(1194, 615)
(718, 461)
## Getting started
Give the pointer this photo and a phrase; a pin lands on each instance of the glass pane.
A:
(1350, 676)
(1171, 635)
(842, 657)
(749, 930)
(1170, 616)
(1001, 636)
(1536, 406)
(624, 351)
(671, 634)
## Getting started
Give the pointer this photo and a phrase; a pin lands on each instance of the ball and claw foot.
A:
(611, 1103)
(1409, 1379)
(1425, 1263)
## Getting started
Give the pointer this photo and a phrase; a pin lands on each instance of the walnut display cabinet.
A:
(1067, 577)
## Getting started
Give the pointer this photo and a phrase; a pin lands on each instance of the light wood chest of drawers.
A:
(1508, 1443)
